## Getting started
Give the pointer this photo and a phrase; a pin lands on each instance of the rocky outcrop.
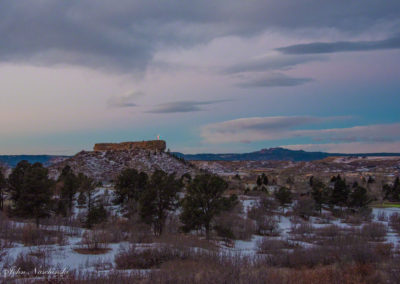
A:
(152, 145)
(106, 165)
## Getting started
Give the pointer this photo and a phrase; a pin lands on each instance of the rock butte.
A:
(154, 145)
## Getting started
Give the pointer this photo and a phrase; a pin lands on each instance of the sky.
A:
(207, 76)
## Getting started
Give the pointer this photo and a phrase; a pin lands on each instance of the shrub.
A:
(394, 222)
(300, 258)
(25, 262)
(224, 232)
(363, 214)
(304, 207)
(265, 224)
(302, 228)
(331, 231)
(28, 263)
(134, 258)
(30, 235)
(256, 212)
(269, 204)
(268, 226)
(374, 231)
(94, 241)
(382, 216)
(266, 245)
(232, 226)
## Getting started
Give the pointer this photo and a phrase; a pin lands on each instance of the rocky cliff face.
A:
(106, 165)
(152, 145)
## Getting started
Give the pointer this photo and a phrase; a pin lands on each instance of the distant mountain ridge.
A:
(47, 160)
(275, 154)
(271, 154)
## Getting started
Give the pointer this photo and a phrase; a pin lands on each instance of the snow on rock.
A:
(105, 166)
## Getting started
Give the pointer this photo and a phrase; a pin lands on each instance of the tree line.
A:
(337, 193)
(32, 194)
(153, 198)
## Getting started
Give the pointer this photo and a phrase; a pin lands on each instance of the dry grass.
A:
(92, 251)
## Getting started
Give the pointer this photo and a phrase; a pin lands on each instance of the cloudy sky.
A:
(207, 76)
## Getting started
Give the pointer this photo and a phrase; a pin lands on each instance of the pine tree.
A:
(69, 186)
(129, 186)
(203, 201)
(3, 184)
(283, 195)
(96, 215)
(16, 180)
(370, 180)
(87, 185)
(259, 181)
(160, 196)
(392, 193)
(396, 189)
(340, 192)
(319, 193)
(264, 179)
(358, 197)
(30, 191)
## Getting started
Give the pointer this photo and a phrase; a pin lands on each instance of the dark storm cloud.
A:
(124, 35)
(341, 46)
(182, 106)
(274, 80)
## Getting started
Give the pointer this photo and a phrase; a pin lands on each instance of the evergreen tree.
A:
(311, 181)
(396, 189)
(283, 195)
(259, 181)
(3, 184)
(358, 197)
(69, 186)
(186, 178)
(334, 178)
(392, 193)
(30, 191)
(96, 215)
(370, 180)
(61, 208)
(160, 196)
(203, 201)
(129, 186)
(340, 192)
(396, 182)
(16, 180)
(264, 179)
(320, 193)
(387, 191)
(87, 185)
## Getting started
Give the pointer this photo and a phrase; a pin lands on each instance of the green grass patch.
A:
(387, 205)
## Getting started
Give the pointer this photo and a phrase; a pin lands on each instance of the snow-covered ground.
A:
(66, 256)
(285, 224)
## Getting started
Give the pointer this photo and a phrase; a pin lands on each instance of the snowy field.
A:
(66, 256)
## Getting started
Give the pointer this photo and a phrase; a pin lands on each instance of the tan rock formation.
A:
(153, 145)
